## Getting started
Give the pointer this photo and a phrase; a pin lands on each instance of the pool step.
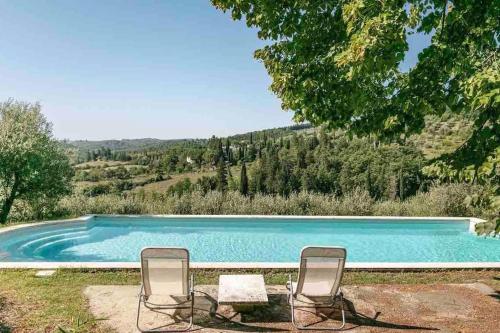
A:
(47, 239)
(36, 232)
(56, 244)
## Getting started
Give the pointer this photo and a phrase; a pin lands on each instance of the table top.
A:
(242, 289)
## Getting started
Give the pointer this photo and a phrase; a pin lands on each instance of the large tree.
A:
(33, 166)
(339, 63)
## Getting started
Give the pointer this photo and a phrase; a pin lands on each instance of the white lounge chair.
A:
(320, 273)
(165, 274)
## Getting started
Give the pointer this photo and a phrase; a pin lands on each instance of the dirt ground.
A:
(370, 308)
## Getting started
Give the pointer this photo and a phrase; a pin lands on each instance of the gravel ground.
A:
(470, 307)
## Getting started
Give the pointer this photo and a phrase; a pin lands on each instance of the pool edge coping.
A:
(250, 265)
(256, 265)
(472, 220)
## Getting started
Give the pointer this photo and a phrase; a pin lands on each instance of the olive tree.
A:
(33, 166)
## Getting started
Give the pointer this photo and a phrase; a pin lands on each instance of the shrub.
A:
(236, 204)
(357, 202)
(209, 204)
(389, 208)
(97, 189)
(442, 200)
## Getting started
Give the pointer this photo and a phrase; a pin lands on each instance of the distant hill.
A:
(127, 145)
(272, 132)
(441, 135)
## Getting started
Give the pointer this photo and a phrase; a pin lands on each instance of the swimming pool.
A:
(249, 239)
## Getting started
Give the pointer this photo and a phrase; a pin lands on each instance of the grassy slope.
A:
(160, 186)
(163, 185)
(94, 164)
(442, 136)
(45, 304)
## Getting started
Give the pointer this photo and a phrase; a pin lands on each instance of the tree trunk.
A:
(7, 204)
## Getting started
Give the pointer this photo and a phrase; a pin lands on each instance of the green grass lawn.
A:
(57, 304)
(163, 185)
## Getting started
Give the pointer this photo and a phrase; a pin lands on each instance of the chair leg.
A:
(190, 325)
(315, 328)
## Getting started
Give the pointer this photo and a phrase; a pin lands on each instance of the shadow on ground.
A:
(375, 308)
(278, 312)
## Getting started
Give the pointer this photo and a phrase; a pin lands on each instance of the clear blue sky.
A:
(131, 69)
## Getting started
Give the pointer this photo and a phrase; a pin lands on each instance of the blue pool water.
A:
(249, 240)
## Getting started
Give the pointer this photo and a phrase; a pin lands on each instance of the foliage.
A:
(33, 167)
(442, 200)
(321, 163)
(97, 189)
(339, 63)
(385, 172)
(181, 187)
(486, 174)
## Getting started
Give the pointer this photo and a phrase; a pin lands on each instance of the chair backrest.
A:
(320, 270)
(165, 271)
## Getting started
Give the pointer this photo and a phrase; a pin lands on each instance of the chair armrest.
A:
(191, 284)
(141, 291)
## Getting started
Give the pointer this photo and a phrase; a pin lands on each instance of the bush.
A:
(97, 189)
(357, 202)
(442, 200)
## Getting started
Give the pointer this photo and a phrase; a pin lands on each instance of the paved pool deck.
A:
(370, 308)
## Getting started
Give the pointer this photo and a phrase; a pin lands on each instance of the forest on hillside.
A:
(275, 162)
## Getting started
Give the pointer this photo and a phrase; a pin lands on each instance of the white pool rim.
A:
(255, 265)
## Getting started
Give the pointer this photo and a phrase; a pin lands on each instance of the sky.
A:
(133, 69)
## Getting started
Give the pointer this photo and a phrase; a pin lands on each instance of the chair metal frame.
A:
(143, 298)
(334, 296)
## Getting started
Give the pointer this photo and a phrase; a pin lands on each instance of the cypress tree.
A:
(221, 176)
(244, 180)
(220, 151)
(240, 153)
(228, 149)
